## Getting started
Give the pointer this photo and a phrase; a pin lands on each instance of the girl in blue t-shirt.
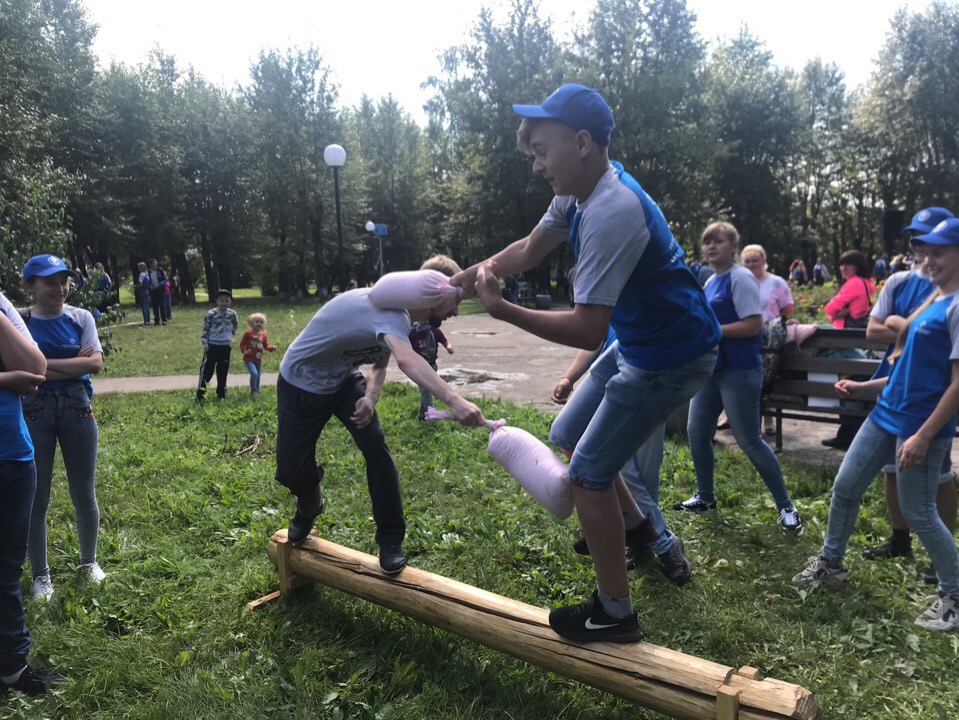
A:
(736, 383)
(915, 417)
(60, 413)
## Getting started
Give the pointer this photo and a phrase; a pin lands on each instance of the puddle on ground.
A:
(483, 379)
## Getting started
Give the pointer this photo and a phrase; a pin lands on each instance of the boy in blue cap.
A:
(630, 273)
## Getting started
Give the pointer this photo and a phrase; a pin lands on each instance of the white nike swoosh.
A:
(590, 625)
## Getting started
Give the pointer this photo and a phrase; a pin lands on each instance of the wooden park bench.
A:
(804, 385)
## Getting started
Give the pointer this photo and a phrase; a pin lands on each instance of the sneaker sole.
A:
(937, 625)
(603, 636)
(397, 571)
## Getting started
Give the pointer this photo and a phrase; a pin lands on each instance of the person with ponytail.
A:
(915, 417)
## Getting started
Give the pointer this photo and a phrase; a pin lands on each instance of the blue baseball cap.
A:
(580, 107)
(926, 219)
(945, 233)
(45, 266)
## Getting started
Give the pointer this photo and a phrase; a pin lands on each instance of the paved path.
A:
(494, 359)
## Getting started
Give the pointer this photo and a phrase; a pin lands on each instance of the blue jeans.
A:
(426, 398)
(917, 487)
(256, 370)
(641, 475)
(168, 304)
(18, 481)
(145, 305)
(617, 408)
(63, 415)
(736, 391)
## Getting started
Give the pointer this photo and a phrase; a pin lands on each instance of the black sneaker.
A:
(675, 565)
(33, 681)
(643, 534)
(638, 555)
(930, 576)
(888, 549)
(392, 558)
(695, 505)
(837, 443)
(302, 521)
(589, 622)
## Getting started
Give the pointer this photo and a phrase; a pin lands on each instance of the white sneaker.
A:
(42, 588)
(790, 520)
(92, 572)
(819, 571)
(943, 616)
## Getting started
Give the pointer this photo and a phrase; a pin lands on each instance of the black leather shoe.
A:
(392, 558)
(837, 442)
(306, 514)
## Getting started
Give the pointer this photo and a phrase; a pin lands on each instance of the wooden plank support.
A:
(669, 682)
(727, 703)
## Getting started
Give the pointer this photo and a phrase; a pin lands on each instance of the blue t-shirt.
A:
(61, 336)
(15, 442)
(734, 295)
(922, 373)
(626, 258)
(902, 295)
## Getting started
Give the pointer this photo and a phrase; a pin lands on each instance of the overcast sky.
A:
(376, 47)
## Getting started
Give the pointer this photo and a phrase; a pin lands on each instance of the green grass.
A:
(175, 349)
(186, 516)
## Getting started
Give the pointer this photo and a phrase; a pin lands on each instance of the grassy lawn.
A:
(175, 349)
(188, 508)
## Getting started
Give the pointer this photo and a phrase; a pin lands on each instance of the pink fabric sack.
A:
(531, 463)
(412, 290)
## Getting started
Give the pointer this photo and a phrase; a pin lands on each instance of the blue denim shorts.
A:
(616, 408)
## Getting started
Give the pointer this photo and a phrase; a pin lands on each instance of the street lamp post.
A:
(335, 157)
(370, 228)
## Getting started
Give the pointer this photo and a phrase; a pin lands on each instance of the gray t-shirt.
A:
(603, 268)
(346, 332)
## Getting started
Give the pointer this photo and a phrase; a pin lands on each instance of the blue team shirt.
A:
(15, 442)
(734, 295)
(908, 294)
(922, 373)
(660, 314)
(61, 336)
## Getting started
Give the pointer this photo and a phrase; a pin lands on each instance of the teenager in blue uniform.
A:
(629, 273)
(902, 294)
(736, 383)
(21, 372)
(915, 417)
(60, 414)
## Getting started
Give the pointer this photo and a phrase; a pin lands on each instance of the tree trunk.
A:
(282, 274)
(206, 252)
(185, 291)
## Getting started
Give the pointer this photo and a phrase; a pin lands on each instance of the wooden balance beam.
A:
(670, 682)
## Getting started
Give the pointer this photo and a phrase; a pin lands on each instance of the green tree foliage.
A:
(646, 58)
(911, 111)
(755, 112)
(292, 101)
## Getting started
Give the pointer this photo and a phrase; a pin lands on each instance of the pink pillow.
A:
(531, 463)
(412, 290)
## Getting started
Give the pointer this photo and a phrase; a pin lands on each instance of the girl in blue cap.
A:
(60, 413)
(915, 417)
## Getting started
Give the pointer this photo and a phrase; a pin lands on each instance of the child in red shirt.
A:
(252, 345)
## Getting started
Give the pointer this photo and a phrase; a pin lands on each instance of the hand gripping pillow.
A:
(531, 463)
(412, 290)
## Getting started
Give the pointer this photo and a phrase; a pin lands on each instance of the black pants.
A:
(158, 301)
(217, 358)
(301, 417)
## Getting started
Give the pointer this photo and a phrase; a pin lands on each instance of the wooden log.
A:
(670, 682)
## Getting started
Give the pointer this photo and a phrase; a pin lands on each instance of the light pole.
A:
(335, 157)
(371, 228)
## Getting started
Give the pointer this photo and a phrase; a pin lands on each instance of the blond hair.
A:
(723, 230)
(753, 249)
(442, 263)
(256, 316)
